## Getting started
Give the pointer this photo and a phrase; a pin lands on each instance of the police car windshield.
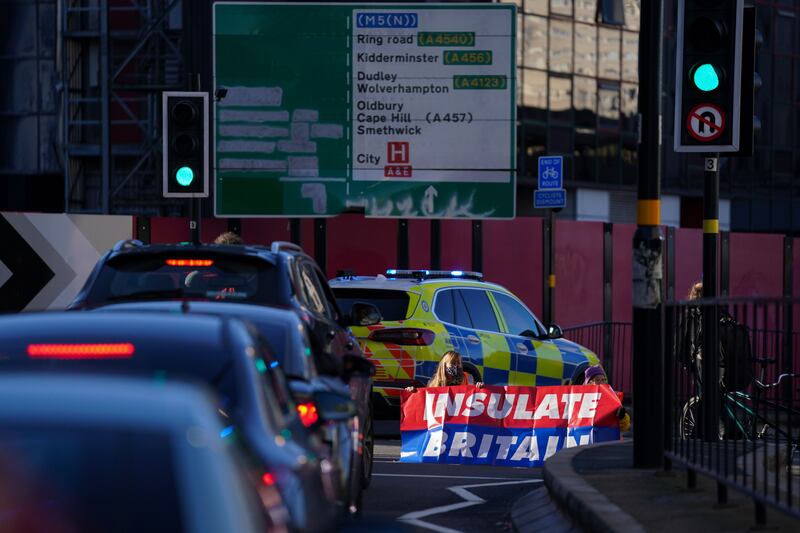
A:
(392, 304)
(155, 277)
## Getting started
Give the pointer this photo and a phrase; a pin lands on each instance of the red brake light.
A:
(268, 479)
(308, 413)
(403, 336)
(122, 350)
(190, 262)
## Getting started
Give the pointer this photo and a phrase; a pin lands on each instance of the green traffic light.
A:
(706, 78)
(185, 176)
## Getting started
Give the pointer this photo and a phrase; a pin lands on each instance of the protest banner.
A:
(504, 425)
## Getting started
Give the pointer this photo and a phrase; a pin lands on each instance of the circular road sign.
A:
(705, 122)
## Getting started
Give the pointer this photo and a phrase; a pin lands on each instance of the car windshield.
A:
(88, 479)
(292, 352)
(392, 304)
(148, 277)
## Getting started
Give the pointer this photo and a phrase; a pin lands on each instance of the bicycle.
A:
(740, 418)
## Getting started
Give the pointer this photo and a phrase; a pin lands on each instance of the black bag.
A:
(735, 354)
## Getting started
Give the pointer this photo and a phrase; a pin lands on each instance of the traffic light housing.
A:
(708, 76)
(185, 143)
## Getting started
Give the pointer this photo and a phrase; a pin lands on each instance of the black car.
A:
(315, 394)
(213, 351)
(281, 275)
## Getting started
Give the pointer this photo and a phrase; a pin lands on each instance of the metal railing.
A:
(613, 343)
(732, 403)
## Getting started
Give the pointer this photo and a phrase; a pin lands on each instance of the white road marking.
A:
(449, 477)
(470, 499)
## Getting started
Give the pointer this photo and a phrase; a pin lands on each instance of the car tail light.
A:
(189, 262)
(403, 336)
(308, 413)
(268, 479)
(122, 350)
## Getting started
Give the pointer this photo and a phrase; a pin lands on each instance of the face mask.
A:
(452, 371)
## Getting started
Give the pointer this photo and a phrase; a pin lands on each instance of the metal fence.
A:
(732, 401)
(613, 343)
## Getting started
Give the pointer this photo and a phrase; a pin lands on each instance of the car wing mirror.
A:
(364, 314)
(333, 406)
(356, 365)
(554, 331)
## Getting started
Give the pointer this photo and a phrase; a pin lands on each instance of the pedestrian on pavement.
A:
(449, 372)
(594, 375)
(228, 237)
(691, 350)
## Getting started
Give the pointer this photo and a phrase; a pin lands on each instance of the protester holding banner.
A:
(595, 375)
(449, 372)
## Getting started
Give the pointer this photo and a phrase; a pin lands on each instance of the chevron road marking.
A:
(470, 499)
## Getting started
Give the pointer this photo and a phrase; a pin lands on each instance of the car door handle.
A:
(473, 339)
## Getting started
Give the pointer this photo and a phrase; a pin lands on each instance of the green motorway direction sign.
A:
(406, 110)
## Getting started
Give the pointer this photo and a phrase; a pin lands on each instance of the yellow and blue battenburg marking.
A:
(499, 358)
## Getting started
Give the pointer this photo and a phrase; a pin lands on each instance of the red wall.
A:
(366, 246)
(512, 257)
(579, 272)
(756, 265)
(622, 273)
(688, 260)
(456, 238)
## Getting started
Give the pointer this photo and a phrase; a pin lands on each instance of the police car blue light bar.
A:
(431, 274)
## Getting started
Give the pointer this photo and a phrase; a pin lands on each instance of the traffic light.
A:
(185, 132)
(709, 76)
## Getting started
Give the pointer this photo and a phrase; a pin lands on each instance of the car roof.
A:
(107, 400)
(189, 248)
(409, 285)
(200, 347)
(220, 308)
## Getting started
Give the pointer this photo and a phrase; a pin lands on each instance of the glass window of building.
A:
(608, 104)
(520, 39)
(608, 158)
(559, 141)
(561, 45)
(534, 144)
(630, 158)
(535, 47)
(612, 12)
(608, 55)
(586, 10)
(585, 49)
(628, 106)
(560, 99)
(534, 95)
(585, 156)
(632, 14)
(630, 56)
(585, 102)
(561, 7)
(536, 6)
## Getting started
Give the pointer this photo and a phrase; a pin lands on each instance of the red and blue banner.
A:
(509, 426)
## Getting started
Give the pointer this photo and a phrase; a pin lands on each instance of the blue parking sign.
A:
(551, 172)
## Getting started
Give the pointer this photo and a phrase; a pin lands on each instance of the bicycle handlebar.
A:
(770, 385)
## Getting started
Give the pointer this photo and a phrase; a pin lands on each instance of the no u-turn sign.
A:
(706, 122)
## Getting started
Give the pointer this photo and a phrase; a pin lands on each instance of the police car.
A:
(427, 312)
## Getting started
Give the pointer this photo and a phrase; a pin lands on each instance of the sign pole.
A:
(648, 315)
(195, 206)
(710, 367)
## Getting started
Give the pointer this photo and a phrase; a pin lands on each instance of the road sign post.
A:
(402, 110)
(550, 195)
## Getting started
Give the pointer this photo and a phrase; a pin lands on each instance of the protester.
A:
(449, 372)
(229, 237)
(594, 375)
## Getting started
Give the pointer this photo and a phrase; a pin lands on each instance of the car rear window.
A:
(148, 277)
(91, 479)
(392, 304)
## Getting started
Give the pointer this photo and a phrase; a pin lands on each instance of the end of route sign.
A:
(402, 110)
